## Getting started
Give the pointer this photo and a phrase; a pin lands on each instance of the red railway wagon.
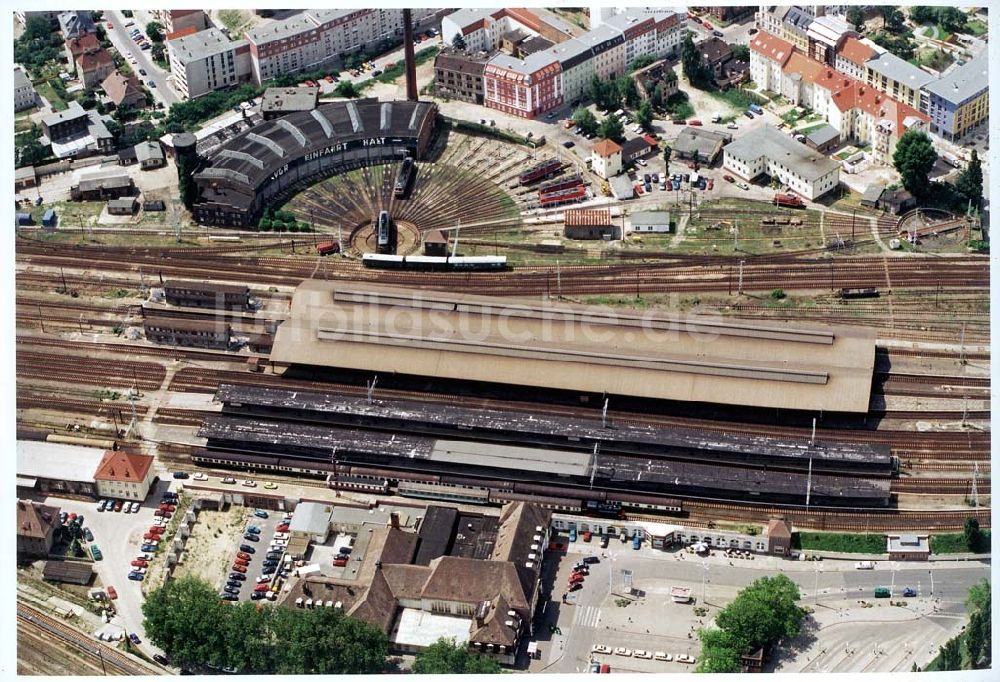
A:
(563, 196)
(326, 248)
(562, 183)
(544, 169)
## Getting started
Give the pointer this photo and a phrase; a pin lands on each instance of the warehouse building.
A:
(198, 294)
(278, 102)
(908, 547)
(589, 223)
(766, 151)
(57, 468)
(74, 572)
(646, 222)
(701, 145)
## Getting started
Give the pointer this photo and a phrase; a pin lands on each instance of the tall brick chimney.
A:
(411, 66)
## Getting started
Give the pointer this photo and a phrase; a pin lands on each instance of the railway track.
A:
(107, 657)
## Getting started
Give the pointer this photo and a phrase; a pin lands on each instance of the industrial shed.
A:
(76, 572)
(710, 361)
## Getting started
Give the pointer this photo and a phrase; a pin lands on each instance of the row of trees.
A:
(693, 65)
(950, 19)
(38, 45)
(186, 618)
(914, 159)
(759, 616)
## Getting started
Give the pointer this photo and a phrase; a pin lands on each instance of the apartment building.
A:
(897, 78)
(316, 38)
(206, 61)
(853, 55)
(795, 27)
(459, 75)
(768, 56)
(24, 91)
(825, 35)
(175, 20)
(124, 475)
(768, 151)
(960, 100)
(524, 88)
(575, 59)
(646, 34)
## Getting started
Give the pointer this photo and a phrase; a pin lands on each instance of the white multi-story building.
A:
(767, 151)
(124, 475)
(316, 38)
(853, 55)
(24, 92)
(608, 46)
(647, 33)
(206, 61)
(768, 55)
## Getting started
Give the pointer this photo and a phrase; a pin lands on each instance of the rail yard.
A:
(417, 351)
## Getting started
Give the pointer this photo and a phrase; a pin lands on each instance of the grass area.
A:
(954, 543)
(390, 75)
(792, 116)
(679, 106)
(234, 20)
(805, 130)
(22, 125)
(738, 99)
(938, 60)
(840, 542)
(976, 27)
(45, 89)
(935, 33)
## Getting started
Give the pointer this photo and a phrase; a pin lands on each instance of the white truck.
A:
(864, 565)
(681, 595)
(716, 117)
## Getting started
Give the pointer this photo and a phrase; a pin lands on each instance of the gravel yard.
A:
(212, 545)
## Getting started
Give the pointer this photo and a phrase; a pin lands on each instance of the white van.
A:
(716, 117)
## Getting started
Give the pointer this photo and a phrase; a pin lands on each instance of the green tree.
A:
(667, 151)
(972, 534)
(720, 653)
(913, 159)
(693, 64)
(37, 45)
(951, 19)
(977, 652)
(185, 178)
(458, 42)
(153, 30)
(612, 129)
(641, 62)
(741, 53)
(584, 118)
(626, 90)
(922, 14)
(444, 657)
(158, 53)
(970, 181)
(896, 20)
(347, 89)
(950, 655)
(763, 613)
(644, 115)
(856, 17)
(604, 93)
(186, 618)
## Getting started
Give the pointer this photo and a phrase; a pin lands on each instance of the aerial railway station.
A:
(247, 443)
(545, 430)
(446, 336)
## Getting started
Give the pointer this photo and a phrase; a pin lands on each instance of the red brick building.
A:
(524, 88)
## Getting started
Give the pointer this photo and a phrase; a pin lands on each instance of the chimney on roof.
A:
(394, 520)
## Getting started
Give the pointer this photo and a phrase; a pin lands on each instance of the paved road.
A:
(119, 37)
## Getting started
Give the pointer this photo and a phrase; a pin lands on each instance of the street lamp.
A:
(816, 584)
(704, 579)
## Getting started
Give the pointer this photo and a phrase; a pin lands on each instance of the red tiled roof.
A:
(123, 466)
(587, 216)
(186, 31)
(856, 51)
(606, 148)
(650, 139)
(94, 59)
(118, 87)
(78, 46)
(34, 520)
(772, 47)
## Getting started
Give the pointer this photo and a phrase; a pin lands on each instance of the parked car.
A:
(340, 562)
(239, 569)
(909, 592)
(139, 562)
(180, 474)
(243, 555)
(641, 653)
(568, 144)
(167, 507)
(89, 536)
(257, 596)
(200, 476)
(748, 114)
(134, 638)
(237, 576)
(229, 480)
(226, 596)
(253, 529)
(135, 576)
(718, 34)
(148, 547)
(248, 549)
(743, 185)
(118, 505)
(260, 514)
(728, 178)
(271, 485)
(574, 587)
(694, 122)
(111, 592)
(623, 651)
(251, 537)
(249, 484)
(136, 507)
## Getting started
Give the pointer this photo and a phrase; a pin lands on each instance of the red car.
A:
(239, 569)
(283, 528)
(340, 562)
(694, 122)
(167, 507)
(150, 536)
(156, 529)
(707, 25)
(262, 588)
(112, 592)
(241, 562)
(243, 555)
(140, 562)
(711, 183)
(729, 178)
(576, 578)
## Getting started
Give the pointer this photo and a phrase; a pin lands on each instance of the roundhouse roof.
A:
(578, 348)
(250, 157)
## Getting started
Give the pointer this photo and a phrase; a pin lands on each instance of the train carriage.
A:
(404, 178)
(544, 169)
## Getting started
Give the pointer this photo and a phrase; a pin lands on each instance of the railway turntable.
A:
(478, 340)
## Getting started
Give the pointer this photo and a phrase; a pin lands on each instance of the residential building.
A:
(576, 62)
(718, 55)
(76, 24)
(637, 148)
(174, 20)
(606, 159)
(825, 34)
(589, 223)
(93, 66)
(795, 27)
(36, 528)
(314, 39)
(459, 75)
(52, 16)
(853, 56)
(278, 102)
(483, 29)
(644, 222)
(24, 91)
(648, 33)
(768, 56)
(124, 90)
(959, 101)
(730, 12)
(659, 74)
(76, 132)
(206, 61)
(769, 18)
(524, 88)
(150, 155)
(897, 78)
(77, 46)
(607, 44)
(700, 144)
(124, 475)
(767, 151)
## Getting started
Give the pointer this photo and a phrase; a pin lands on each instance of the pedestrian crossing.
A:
(587, 616)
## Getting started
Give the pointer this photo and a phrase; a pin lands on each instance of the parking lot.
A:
(254, 569)
(119, 537)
